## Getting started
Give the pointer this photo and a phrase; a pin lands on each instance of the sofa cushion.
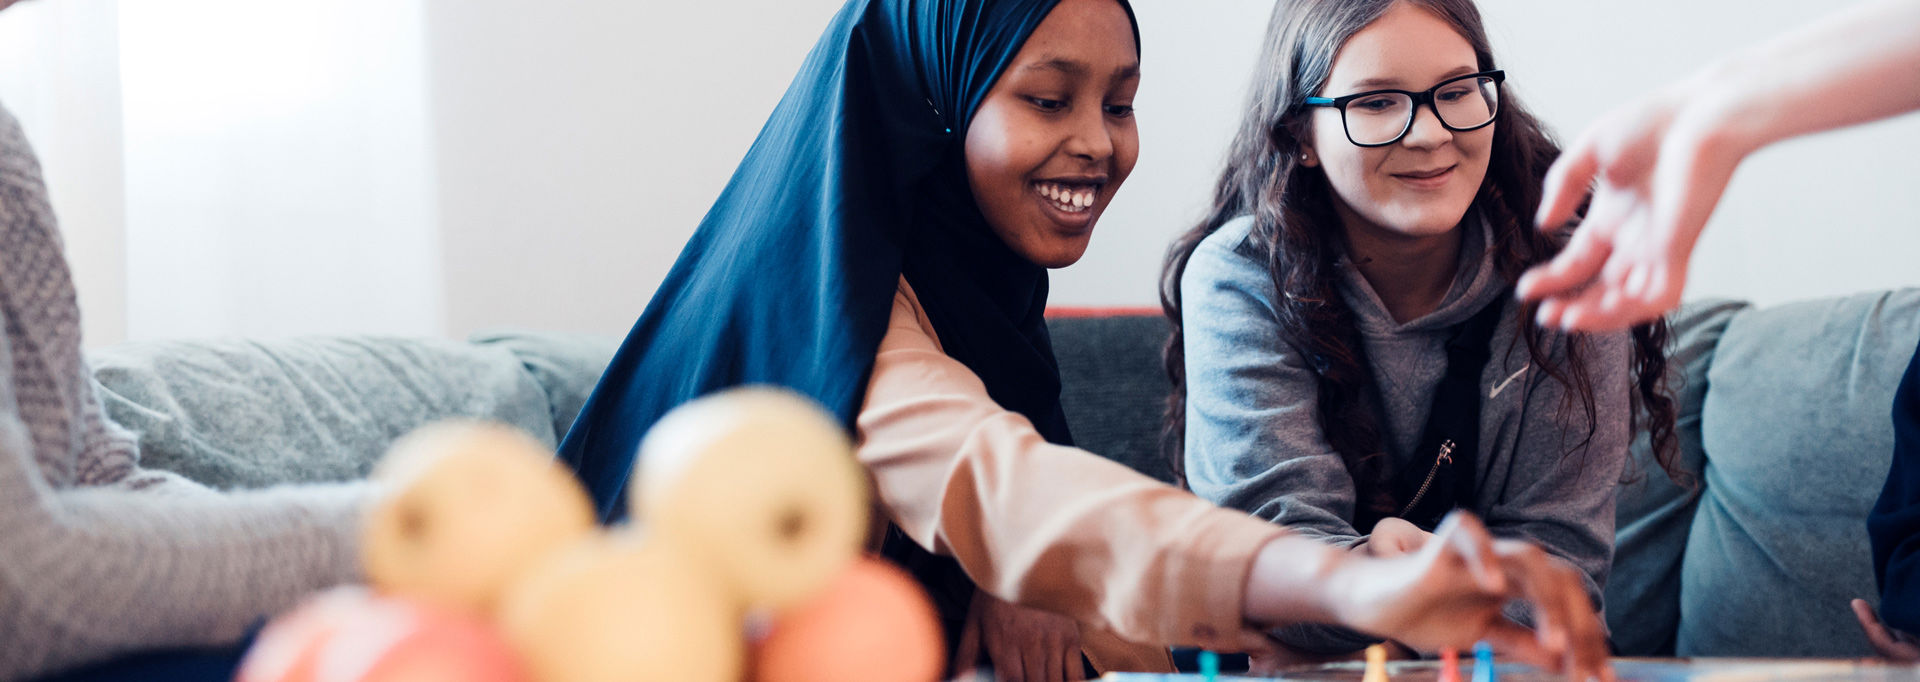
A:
(567, 366)
(1654, 514)
(1797, 437)
(1111, 387)
(240, 414)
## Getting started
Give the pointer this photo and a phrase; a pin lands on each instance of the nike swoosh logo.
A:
(1503, 385)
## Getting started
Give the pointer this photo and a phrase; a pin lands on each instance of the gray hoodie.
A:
(1253, 442)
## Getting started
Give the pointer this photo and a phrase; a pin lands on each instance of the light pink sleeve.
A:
(1043, 525)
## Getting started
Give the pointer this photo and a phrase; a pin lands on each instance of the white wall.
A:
(60, 78)
(579, 143)
(279, 174)
(441, 166)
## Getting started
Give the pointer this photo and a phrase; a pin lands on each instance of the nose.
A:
(1427, 132)
(1088, 137)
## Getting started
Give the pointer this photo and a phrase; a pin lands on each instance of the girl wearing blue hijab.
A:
(882, 249)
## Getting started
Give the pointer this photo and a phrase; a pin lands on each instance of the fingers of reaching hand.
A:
(1565, 625)
(1599, 308)
(1042, 661)
(1606, 282)
(1003, 659)
(1587, 639)
(1567, 183)
(1641, 292)
(1063, 654)
(967, 654)
(1463, 533)
(1517, 642)
(1891, 644)
(1576, 266)
(1541, 586)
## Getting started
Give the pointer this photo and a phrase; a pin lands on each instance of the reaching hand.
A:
(1892, 644)
(1450, 594)
(1024, 645)
(1660, 170)
(1394, 536)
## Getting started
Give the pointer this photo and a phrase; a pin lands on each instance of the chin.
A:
(1426, 223)
(1056, 256)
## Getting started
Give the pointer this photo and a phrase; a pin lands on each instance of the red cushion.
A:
(1069, 312)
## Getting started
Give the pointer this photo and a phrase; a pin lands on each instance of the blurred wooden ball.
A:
(353, 635)
(469, 508)
(762, 484)
(871, 624)
(612, 608)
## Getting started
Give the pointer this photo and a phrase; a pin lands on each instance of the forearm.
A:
(96, 572)
(1857, 66)
(1290, 591)
(1289, 582)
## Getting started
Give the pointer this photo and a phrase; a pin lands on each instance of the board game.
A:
(1627, 669)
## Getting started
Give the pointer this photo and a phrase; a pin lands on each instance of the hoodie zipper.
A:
(1446, 457)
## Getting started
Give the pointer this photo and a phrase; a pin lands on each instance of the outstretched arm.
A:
(1060, 529)
(1658, 167)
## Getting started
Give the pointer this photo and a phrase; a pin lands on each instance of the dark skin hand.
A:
(1419, 600)
(1023, 644)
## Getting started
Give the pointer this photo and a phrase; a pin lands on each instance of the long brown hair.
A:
(1296, 230)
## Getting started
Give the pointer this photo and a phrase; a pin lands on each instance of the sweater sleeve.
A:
(1044, 525)
(154, 561)
(1560, 492)
(1253, 439)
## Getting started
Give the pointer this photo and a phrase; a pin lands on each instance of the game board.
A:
(1628, 670)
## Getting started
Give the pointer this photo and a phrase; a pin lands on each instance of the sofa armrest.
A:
(247, 414)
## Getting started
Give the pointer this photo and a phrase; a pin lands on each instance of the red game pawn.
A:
(1450, 665)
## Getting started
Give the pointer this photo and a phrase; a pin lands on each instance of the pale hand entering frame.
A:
(1656, 176)
(1658, 167)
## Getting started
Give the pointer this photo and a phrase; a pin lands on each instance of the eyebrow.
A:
(1074, 68)
(1066, 66)
(1372, 83)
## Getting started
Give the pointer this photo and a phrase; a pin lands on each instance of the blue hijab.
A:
(857, 178)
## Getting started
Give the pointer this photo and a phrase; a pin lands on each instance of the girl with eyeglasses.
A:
(1347, 356)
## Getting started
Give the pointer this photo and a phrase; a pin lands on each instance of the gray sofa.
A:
(245, 414)
(1784, 424)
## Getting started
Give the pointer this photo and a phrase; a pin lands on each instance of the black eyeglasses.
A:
(1377, 118)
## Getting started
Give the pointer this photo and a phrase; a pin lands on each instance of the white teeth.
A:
(1065, 199)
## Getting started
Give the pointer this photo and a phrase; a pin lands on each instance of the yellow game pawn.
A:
(1376, 664)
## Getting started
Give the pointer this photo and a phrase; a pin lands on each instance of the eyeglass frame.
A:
(1423, 97)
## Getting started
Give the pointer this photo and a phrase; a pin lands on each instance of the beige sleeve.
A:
(1043, 525)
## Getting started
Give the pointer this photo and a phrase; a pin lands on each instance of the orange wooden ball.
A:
(352, 635)
(871, 624)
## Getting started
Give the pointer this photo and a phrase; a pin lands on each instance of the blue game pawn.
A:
(1209, 666)
(1483, 663)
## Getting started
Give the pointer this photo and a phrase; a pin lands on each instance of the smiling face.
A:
(1421, 186)
(1055, 137)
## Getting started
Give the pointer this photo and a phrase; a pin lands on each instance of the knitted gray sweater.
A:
(99, 557)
